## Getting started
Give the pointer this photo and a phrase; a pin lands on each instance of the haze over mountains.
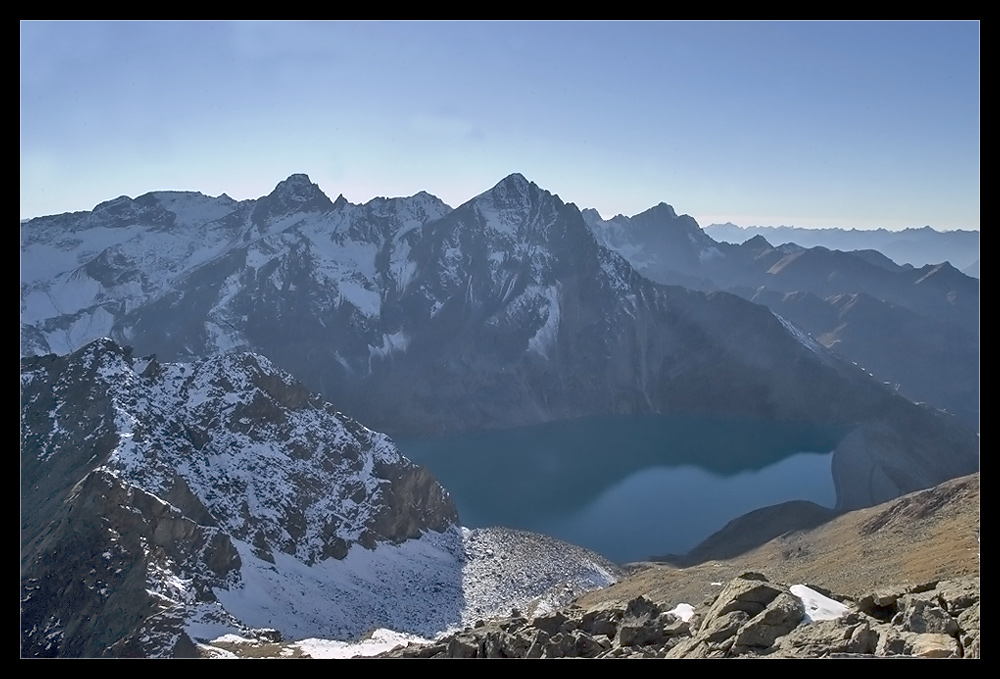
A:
(916, 329)
(910, 246)
(414, 318)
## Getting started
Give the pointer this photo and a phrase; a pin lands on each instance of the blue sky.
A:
(858, 125)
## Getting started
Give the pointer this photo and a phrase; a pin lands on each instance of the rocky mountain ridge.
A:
(916, 329)
(400, 307)
(163, 504)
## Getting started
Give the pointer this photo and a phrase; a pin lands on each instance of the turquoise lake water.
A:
(629, 487)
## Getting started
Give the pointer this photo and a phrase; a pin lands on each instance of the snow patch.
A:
(803, 339)
(379, 641)
(819, 606)
(397, 341)
(546, 336)
(364, 300)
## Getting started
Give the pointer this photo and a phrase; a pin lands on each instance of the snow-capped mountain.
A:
(415, 318)
(166, 503)
(220, 494)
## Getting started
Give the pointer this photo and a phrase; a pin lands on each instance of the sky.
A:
(855, 125)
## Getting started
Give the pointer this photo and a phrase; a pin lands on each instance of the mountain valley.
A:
(199, 375)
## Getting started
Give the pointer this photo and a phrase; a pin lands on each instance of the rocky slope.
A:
(907, 572)
(750, 617)
(162, 504)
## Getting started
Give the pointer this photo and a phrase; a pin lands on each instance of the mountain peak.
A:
(298, 185)
(758, 242)
(512, 185)
(513, 191)
(516, 184)
(665, 209)
(295, 194)
(113, 204)
(515, 177)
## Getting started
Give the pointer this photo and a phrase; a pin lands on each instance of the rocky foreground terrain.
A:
(907, 573)
(750, 617)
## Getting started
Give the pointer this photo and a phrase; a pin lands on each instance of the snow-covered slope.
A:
(87, 275)
(221, 496)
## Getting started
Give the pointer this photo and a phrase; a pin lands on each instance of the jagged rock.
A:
(538, 642)
(968, 624)
(639, 623)
(461, 647)
(958, 595)
(827, 637)
(919, 613)
(780, 617)
(750, 593)
(552, 623)
(601, 621)
(893, 641)
(778, 629)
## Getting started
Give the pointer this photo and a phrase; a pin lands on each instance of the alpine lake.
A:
(629, 487)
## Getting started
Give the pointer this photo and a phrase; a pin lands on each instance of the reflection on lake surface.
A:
(629, 487)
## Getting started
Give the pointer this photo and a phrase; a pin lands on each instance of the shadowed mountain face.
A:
(914, 329)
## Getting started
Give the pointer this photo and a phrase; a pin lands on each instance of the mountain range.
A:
(399, 308)
(912, 246)
(161, 494)
(914, 329)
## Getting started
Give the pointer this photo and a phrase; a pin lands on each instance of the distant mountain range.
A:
(916, 329)
(916, 247)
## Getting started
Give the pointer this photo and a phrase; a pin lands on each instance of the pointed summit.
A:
(662, 223)
(298, 189)
(295, 194)
(513, 202)
(513, 191)
(663, 211)
(515, 180)
(757, 243)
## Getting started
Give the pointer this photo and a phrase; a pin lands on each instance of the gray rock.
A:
(780, 617)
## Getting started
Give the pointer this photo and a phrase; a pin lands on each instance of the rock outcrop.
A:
(750, 617)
